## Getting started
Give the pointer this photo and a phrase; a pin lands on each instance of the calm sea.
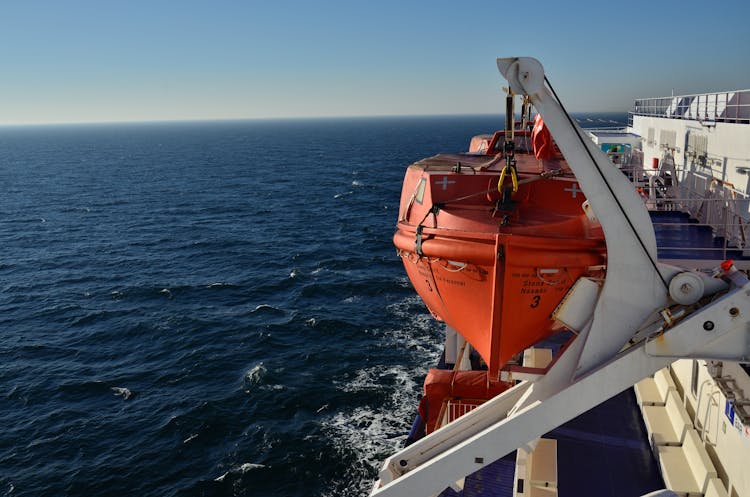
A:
(210, 308)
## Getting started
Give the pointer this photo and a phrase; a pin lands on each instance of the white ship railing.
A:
(709, 202)
(730, 106)
(453, 409)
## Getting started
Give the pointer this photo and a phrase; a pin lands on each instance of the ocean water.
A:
(212, 308)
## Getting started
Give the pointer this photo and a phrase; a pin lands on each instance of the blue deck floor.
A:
(679, 237)
(605, 451)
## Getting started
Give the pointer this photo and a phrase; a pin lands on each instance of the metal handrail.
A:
(709, 202)
(454, 408)
(729, 106)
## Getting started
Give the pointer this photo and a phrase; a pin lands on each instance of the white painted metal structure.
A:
(706, 137)
(621, 343)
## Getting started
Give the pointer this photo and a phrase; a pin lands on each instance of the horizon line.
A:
(269, 118)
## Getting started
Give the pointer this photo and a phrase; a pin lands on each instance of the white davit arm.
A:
(633, 288)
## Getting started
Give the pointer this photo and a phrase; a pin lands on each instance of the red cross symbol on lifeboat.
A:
(444, 182)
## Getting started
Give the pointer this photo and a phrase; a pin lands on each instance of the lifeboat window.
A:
(419, 195)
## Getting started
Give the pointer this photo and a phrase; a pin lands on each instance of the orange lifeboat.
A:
(490, 263)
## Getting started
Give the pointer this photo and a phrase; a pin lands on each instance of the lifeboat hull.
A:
(495, 277)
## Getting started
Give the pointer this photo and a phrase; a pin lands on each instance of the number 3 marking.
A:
(535, 301)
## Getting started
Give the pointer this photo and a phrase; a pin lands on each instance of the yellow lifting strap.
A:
(513, 178)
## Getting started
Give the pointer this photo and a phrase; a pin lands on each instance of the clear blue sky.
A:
(132, 60)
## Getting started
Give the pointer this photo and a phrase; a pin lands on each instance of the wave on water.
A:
(122, 392)
(243, 468)
(255, 375)
(370, 433)
(267, 309)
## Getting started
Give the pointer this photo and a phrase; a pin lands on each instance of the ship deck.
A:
(686, 242)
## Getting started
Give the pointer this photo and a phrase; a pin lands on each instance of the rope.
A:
(609, 187)
(485, 165)
(544, 175)
(434, 210)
